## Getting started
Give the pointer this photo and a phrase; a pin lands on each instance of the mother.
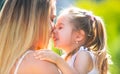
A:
(24, 28)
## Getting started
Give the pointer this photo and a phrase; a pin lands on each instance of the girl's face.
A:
(62, 34)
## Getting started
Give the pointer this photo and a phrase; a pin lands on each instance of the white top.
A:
(72, 60)
(20, 61)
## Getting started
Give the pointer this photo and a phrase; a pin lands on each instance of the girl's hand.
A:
(50, 56)
(47, 55)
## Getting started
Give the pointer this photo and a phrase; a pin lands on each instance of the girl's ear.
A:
(80, 35)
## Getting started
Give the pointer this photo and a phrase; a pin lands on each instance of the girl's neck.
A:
(68, 50)
(70, 53)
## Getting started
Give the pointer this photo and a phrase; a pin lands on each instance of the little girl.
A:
(82, 36)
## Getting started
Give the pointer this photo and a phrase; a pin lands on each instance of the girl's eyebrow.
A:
(60, 24)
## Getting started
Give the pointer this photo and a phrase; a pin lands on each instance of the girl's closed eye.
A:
(60, 27)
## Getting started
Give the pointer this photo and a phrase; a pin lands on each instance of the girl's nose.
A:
(54, 32)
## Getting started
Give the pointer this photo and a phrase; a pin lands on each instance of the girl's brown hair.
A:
(94, 29)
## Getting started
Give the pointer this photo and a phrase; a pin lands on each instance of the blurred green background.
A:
(109, 10)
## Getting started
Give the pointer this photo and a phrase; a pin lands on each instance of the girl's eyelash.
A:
(59, 27)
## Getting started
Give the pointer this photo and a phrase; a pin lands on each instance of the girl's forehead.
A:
(62, 18)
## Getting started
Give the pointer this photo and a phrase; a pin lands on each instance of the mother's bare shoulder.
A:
(30, 65)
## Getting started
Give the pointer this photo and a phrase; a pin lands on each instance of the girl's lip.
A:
(54, 38)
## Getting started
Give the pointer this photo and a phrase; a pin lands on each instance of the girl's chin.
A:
(56, 45)
(59, 47)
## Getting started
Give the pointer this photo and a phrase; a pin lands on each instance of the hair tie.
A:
(90, 15)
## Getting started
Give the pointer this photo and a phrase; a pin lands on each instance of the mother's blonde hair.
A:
(23, 24)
